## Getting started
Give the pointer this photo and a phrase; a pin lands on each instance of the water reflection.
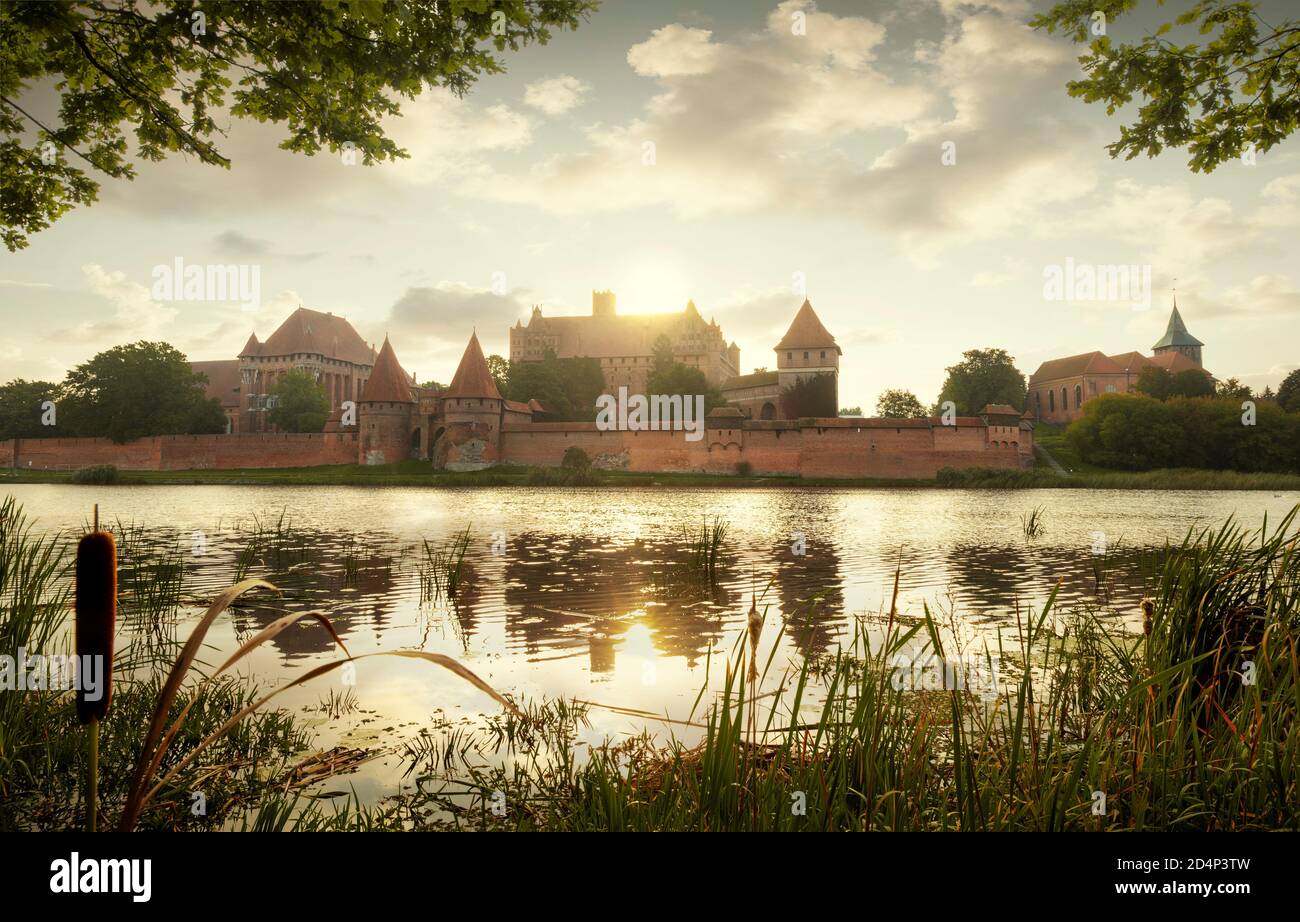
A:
(562, 587)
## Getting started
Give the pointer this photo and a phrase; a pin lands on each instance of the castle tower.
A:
(807, 350)
(1177, 339)
(603, 304)
(470, 437)
(384, 413)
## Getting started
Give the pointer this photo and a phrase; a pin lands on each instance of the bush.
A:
(1139, 433)
(96, 474)
(575, 459)
(561, 477)
(744, 468)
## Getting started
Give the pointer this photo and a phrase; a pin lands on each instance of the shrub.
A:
(744, 468)
(575, 459)
(96, 474)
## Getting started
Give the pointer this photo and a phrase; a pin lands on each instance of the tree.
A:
(500, 369)
(899, 404)
(138, 390)
(23, 409)
(330, 72)
(850, 411)
(811, 396)
(1288, 392)
(299, 403)
(1160, 384)
(1238, 90)
(1193, 383)
(1232, 388)
(568, 388)
(983, 376)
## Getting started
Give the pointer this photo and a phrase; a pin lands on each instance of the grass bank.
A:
(420, 474)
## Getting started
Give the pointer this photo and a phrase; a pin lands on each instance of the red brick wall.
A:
(839, 450)
(184, 452)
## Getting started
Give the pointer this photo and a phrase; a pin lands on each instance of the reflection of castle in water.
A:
(354, 584)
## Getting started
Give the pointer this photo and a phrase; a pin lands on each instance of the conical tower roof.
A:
(807, 332)
(387, 382)
(1176, 333)
(252, 347)
(473, 378)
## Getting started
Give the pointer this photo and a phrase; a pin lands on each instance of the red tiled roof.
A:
(1132, 362)
(1091, 363)
(806, 331)
(315, 333)
(223, 380)
(1174, 362)
(473, 378)
(387, 382)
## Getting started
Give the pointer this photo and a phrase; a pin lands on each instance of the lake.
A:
(581, 593)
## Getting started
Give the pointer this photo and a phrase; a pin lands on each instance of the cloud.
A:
(556, 95)
(236, 245)
(1270, 295)
(446, 136)
(430, 325)
(674, 51)
(134, 313)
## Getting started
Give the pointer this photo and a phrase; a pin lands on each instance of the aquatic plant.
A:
(1031, 523)
(443, 569)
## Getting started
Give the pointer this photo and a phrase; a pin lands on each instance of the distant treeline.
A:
(1138, 433)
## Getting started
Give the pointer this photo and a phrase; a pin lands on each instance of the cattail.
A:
(96, 609)
(1148, 614)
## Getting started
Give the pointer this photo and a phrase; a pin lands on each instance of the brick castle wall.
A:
(184, 452)
(832, 450)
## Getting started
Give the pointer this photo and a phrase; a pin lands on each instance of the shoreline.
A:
(418, 474)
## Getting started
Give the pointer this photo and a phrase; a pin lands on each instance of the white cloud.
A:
(674, 51)
(556, 95)
(135, 315)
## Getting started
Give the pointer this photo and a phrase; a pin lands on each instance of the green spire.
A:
(1176, 333)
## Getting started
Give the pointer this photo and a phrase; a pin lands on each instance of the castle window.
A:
(1078, 396)
(823, 354)
(1065, 400)
(1051, 401)
(805, 356)
(789, 356)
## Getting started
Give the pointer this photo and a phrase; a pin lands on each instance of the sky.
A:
(915, 168)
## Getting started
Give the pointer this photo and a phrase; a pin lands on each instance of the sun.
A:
(652, 282)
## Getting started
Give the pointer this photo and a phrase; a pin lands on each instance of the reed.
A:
(1031, 523)
(443, 571)
(704, 549)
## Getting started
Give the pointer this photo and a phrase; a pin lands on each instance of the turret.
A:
(470, 438)
(807, 350)
(384, 413)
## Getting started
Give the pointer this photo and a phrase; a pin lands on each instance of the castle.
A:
(624, 344)
(379, 415)
(1060, 387)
